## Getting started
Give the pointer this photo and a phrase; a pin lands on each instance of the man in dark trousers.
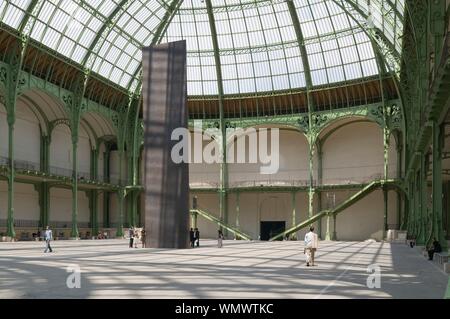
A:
(197, 237)
(436, 248)
(131, 234)
(191, 237)
(48, 237)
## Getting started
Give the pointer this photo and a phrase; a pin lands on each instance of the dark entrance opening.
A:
(270, 229)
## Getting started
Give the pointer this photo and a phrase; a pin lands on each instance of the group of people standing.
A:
(194, 237)
(136, 236)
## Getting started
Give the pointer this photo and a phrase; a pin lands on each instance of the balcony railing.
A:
(283, 178)
(26, 165)
(293, 178)
(59, 171)
(21, 223)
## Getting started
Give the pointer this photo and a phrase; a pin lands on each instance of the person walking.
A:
(136, 238)
(131, 235)
(143, 237)
(48, 237)
(220, 239)
(311, 243)
(197, 237)
(192, 237)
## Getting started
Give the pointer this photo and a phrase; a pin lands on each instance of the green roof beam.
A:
(384, 46)
(103, 33)
(135, 86)
(223, 166)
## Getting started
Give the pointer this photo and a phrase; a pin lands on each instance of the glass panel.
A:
(258, 46)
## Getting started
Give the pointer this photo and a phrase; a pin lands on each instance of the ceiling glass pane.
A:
(259, 48)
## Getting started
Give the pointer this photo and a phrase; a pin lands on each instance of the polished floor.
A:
(109, 269)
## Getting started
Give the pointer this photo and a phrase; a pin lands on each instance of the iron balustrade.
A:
(84, 176)
(60, 224)
(271, 183)
(26, 165)
(284, 178)
(22, 223)
(23, 165)
(84, 225)
(291, 178)
(60, 171)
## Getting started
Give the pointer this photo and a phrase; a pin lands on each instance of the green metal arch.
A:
(59, 98)
(399, 131)
(59, 94)
(276, 124)
(42, 117)
(55, 123)
(281, 127)
(203, 131)
(104, 113)
(324, 138)
(358, 119)
(90, 132)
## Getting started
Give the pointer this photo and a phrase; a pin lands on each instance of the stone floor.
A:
(109, 269)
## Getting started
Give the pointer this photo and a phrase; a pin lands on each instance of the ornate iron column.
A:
(437, 211)
(93, 194)
(74, 233)
(223, 188)
(294, 217)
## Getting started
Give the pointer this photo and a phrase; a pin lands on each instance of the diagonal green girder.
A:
(394, 7)
(102, 34)
(162, 27)
(223, 165)
(28, 16)
(341, 207)
(309, 86)
(301, 44)
(220, 223)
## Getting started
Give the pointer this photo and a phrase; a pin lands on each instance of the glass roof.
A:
(259, 48)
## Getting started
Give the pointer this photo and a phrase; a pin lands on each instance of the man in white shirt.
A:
(311, 243)
(48, 236)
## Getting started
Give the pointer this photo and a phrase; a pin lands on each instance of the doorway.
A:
(270, 229)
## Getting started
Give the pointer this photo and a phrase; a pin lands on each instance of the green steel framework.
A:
(417, 119)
